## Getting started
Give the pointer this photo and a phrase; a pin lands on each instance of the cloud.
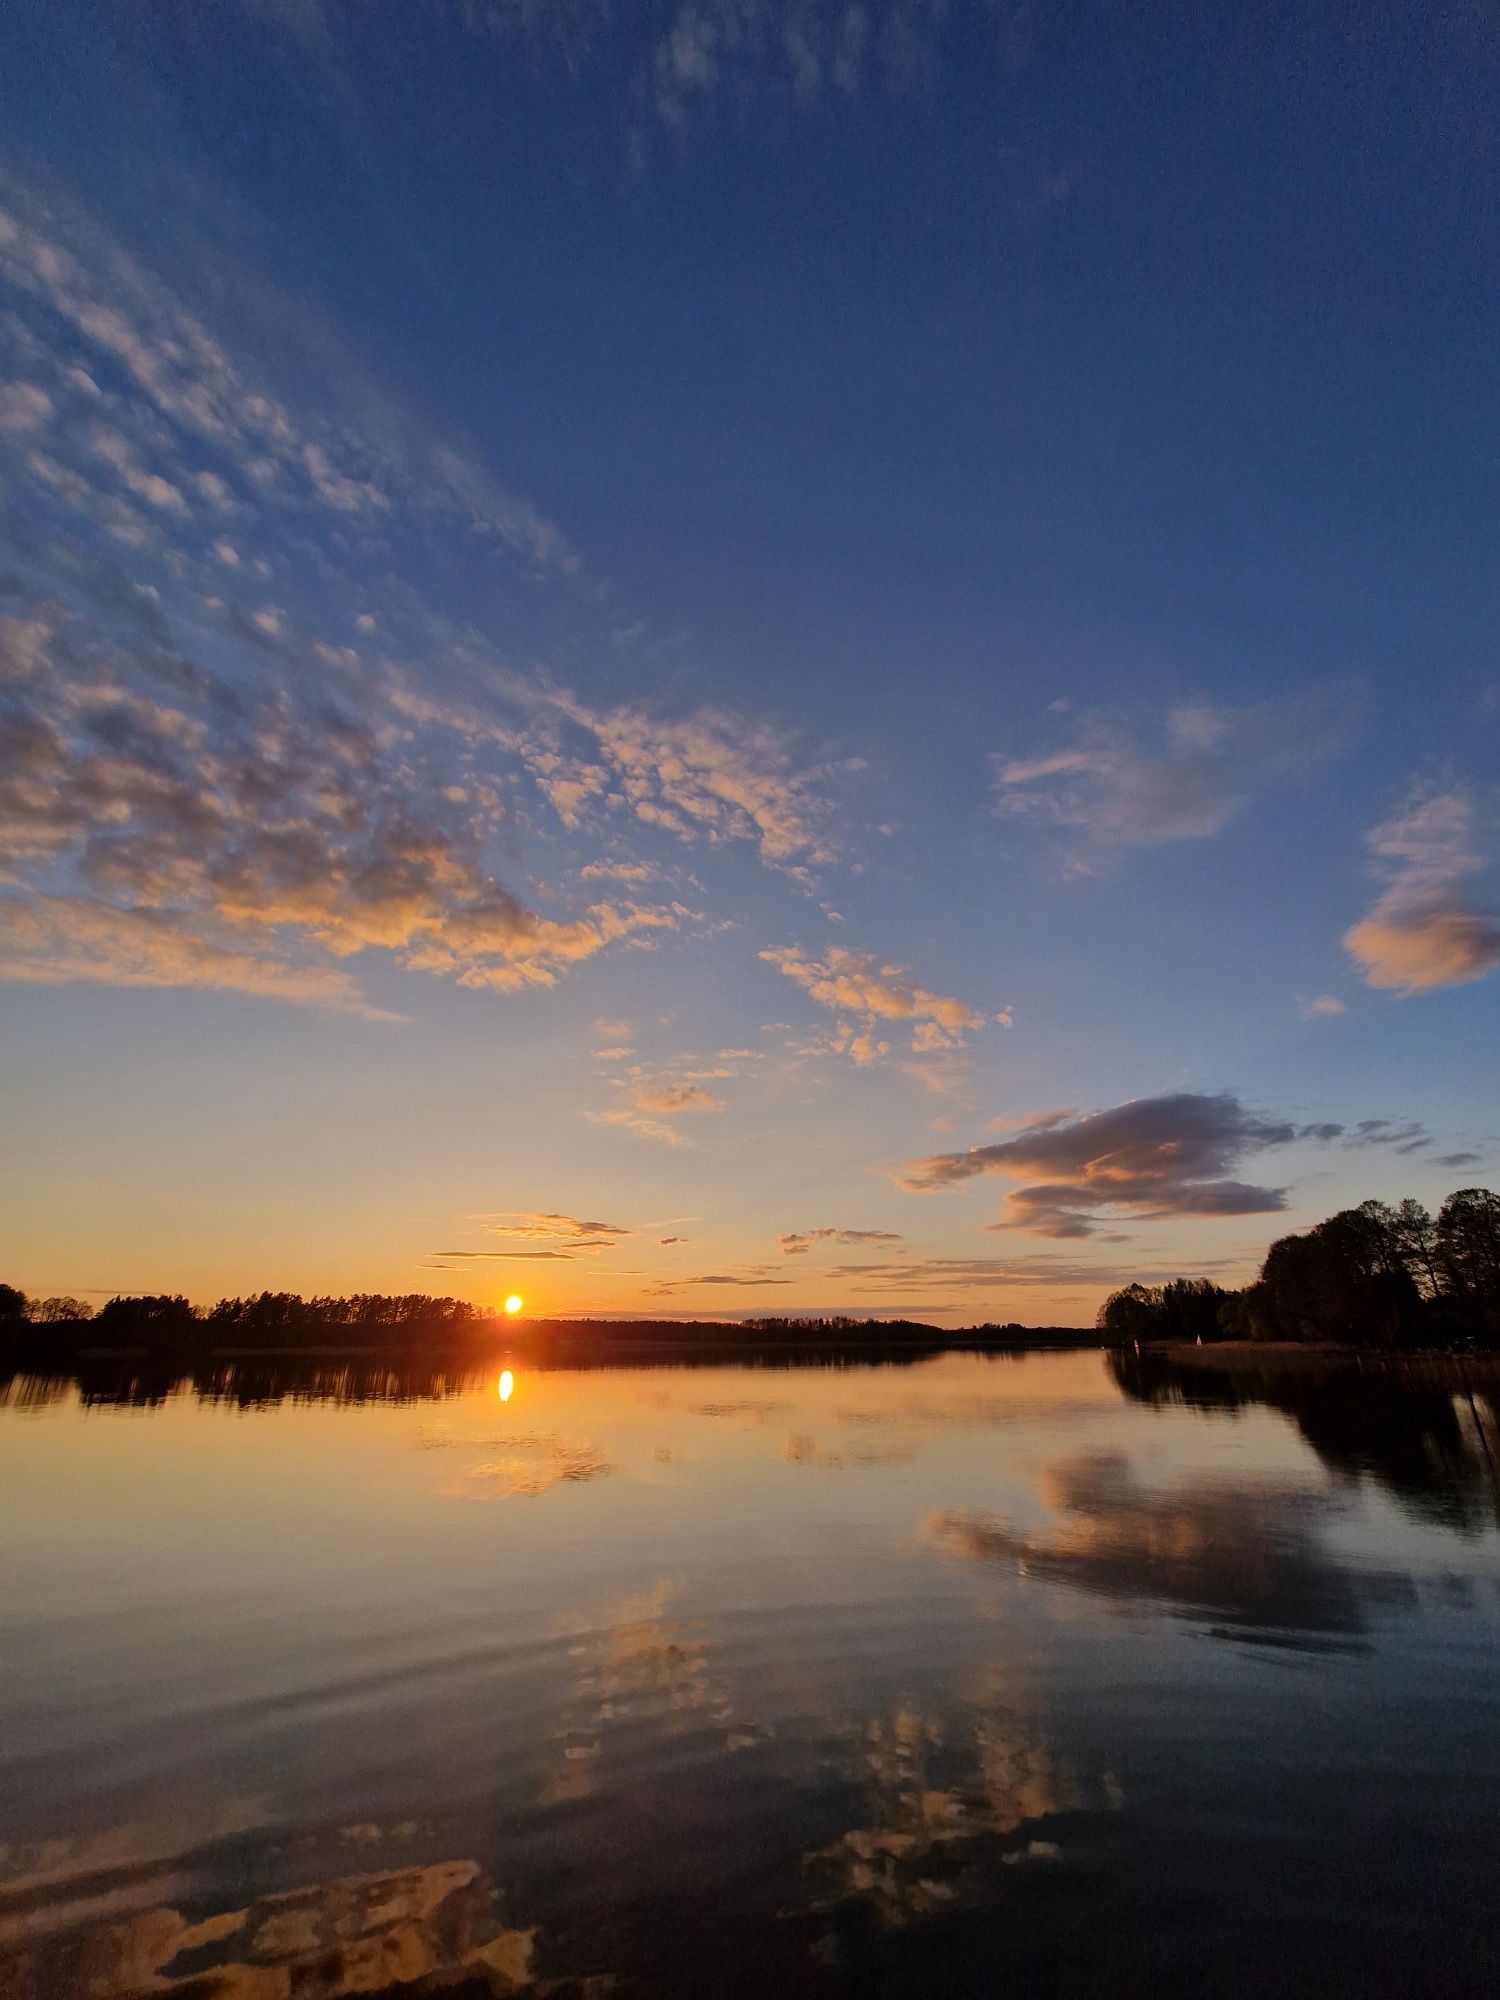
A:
(190, 752)
(798, 1242)
(1402, 1135)
(753, 1279)
(710, 777)
(227, 714)
(114, 326)
(54, 941)
(508, 1256)
(1150, 1159)
(649, 1098)
(685, 68)
(264, 814)
(669, 1098)
(23, 407)
(849, 982)
(787, 57)
(1424, 931)
(635, 874)
(569, 1235)
(1322, 1006)
(1116, 791)
(1043, 1271)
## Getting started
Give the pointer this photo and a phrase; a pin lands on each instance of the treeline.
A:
(810, 1333)
(1372, 1276)
(268, 1320)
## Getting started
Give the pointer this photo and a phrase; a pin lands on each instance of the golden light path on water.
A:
(506, 1385)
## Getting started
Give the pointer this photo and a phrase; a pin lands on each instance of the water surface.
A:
(968, 1676)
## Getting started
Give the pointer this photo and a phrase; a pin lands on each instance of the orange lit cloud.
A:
(1424, 932)
(853, 983)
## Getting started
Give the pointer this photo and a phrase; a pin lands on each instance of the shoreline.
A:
(1241, 1357)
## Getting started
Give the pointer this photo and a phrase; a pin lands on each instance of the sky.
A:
(741, 656)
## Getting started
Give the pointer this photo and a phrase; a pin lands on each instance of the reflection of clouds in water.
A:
(637, 1666)
(30, 1865)
(358, 1933)
(529, 1463)
(948, 1799)
(1247, 1554)
(507, 1478)
(800, 1449)
(753, 1409)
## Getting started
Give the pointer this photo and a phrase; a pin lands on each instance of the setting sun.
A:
(514, 1303)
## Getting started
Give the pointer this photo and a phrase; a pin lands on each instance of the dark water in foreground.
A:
(974, 1676)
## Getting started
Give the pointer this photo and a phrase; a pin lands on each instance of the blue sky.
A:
(624, 624)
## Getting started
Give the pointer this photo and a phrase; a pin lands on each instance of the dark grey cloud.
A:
(1152, 1159)
(1402, 1135)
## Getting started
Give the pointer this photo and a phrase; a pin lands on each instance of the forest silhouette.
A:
(1373, 1276)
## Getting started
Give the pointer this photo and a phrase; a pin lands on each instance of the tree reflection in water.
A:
(1427, 1430)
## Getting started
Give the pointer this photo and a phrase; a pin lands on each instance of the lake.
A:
(975, 1675)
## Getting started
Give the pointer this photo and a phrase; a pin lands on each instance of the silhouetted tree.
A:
(12, 1306)
(1344, 1279)
(51, 1312)
(1133, 1313)
(157, 1319)
(1249, 1314)
(1372, 1275)
(1468, 1255)
(1417, 1245)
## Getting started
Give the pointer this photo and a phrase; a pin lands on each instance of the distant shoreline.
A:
(572, 1338)
(1240, 1357)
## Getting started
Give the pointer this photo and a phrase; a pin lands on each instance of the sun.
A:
(514, 1303)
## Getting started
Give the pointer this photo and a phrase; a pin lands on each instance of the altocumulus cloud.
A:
(1425, 930)
(1151, 1159)
(852, 983)
(224, 762)
(687, 66)
(201, 832)
(648, 1102)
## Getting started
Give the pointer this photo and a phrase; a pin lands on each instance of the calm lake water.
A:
(982, 1676)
